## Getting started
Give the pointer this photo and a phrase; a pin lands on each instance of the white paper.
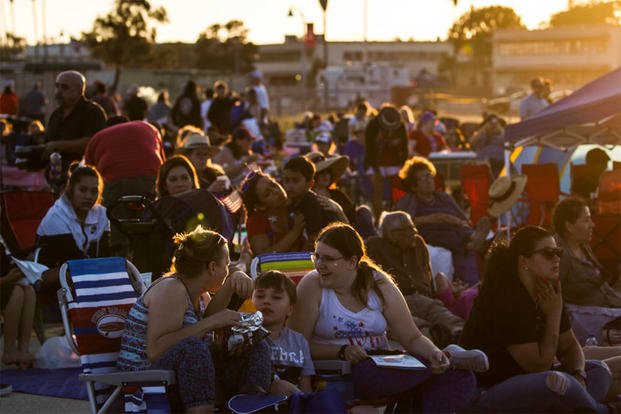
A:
(402, 361)
(31, 270)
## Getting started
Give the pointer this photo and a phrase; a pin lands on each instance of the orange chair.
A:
(475, 181)
(606, 240)
(609, 193)
(576, 172)
(543, 190)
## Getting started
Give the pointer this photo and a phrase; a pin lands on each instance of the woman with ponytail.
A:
(345, 308)
(76, 226)
(518, 320)
(170, 326)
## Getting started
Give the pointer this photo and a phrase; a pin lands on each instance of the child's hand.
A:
(439, 361)
(282, 387)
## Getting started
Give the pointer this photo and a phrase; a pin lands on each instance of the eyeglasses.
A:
(548, 252)
(316, 257)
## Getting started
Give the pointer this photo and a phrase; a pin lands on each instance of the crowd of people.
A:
(408, 272)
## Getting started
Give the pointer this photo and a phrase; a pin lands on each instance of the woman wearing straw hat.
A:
(198, 149)
(328, 172)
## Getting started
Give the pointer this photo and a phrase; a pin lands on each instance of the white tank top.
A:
(337, 325)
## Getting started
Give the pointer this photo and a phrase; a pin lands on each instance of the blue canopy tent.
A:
(590, 115)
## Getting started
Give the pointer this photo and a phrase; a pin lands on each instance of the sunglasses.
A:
(249, 178)
(548, 252)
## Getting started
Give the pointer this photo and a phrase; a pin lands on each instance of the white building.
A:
(346, 84)
(283, 65)
(570, 56)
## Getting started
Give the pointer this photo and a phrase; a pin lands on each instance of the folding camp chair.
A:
(293, 264)
(22, 212)
(475, 181)
(543, 190)
(609, 193)
(95, 298)
(590, 320)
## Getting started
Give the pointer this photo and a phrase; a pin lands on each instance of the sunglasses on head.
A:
(249, 178)
(548, 252)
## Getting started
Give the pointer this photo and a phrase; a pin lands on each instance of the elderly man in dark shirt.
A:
(75, 121)
(402, 253)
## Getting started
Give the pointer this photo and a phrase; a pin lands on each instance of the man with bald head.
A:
(76, 119)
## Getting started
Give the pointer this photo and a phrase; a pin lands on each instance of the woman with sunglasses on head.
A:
(518, 320)
(171, 326)
(584, 280)
(345, 309)
(270, 227)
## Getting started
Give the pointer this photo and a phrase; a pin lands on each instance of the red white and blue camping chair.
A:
(95, 298)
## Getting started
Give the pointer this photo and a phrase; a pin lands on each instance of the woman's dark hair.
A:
(190, 89)
(412, 167)
(502, 263)
(238, 134)
(347, 241)
(277, 280)
(302, 165)
(249, 190)
(195, 250)
(169, 164)
(163, 97)
(566, 211)
(77, 172)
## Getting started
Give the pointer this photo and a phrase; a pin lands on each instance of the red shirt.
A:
(423, 146)
(131, 149)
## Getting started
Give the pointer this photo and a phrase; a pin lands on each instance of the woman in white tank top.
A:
(344, 309)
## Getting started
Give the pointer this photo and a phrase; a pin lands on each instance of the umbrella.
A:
(592, 114)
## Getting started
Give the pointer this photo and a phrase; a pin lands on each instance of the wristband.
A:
(341, 354)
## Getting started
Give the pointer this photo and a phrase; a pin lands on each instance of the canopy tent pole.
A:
(508, 215)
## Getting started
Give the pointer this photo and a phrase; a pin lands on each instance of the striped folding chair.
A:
(95, 298)
(293, 264)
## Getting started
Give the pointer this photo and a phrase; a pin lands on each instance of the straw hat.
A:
(336, 165)
(195, 141)
(504, 192)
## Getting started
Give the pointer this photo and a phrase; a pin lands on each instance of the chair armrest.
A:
(332, 366)
(125, 377)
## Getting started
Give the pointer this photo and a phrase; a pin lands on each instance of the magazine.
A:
(32, 270)
(401, 361)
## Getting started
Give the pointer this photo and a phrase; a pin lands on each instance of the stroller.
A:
(151, 232)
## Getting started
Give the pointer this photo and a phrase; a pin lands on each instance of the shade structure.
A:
(590, 115)
(562, 158)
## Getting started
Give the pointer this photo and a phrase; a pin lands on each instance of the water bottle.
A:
(56, 168)
(591, 341)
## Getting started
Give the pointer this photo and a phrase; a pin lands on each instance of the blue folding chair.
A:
(95, 298)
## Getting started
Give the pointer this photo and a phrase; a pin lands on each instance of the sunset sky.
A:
(267, 19)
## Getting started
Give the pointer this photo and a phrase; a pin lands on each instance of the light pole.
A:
(292, 12)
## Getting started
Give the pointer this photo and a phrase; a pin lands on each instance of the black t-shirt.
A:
(86, 119)
(318, 212)
(510, 318)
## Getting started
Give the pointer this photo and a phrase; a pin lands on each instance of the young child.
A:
(318, 211)
(274, 295)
